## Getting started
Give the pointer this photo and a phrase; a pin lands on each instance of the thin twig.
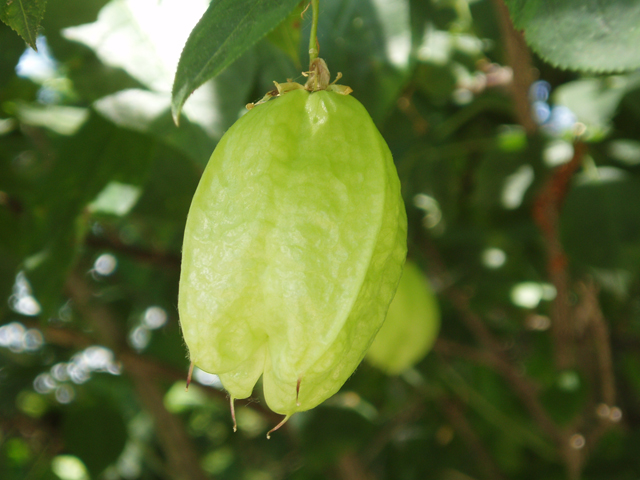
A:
(600, 336)
(182, 457)
(598, 332)
(474, 323)
(546, 214)
(519, 59)
(113, 244)
(460, 423)
(152, 367)
(526, 390)
(410, 413)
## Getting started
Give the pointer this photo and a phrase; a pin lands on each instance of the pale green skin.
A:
(411, 327)
(293, 249)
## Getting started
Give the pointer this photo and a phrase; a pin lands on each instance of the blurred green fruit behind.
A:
(411, 327)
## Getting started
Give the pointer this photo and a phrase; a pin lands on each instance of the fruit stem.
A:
(313, 37)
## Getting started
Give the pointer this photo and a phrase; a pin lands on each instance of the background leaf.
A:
(601, 221)
(99, 153)
(589, 35)
(286, 36)
(594, 101)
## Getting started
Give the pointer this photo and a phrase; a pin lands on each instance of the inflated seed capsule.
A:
(293, 249)
(411, 327)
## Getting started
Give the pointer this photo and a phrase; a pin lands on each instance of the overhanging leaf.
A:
(591, 35)
(24, 16)
(225, 31)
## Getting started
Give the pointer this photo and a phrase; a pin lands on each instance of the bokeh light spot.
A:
(69, 467)
(154, 317)
(21, 300)
(515, 186)
(493, 258)
(140, 337)
(105, 264)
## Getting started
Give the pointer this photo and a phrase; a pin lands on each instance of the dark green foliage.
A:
(100, 439)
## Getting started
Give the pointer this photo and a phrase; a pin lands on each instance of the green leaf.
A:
(96, 434)
(225, 31)
(590, 35)
(99, 153)
(24, 16)
(601, 221)
(287, 35)
(594, 101)
(12, 49)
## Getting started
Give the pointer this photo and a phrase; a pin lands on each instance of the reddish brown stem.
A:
(546, 214)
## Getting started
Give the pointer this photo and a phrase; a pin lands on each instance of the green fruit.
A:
(293, 249)
(411, 327)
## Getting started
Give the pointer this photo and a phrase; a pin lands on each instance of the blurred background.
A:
(521, 183)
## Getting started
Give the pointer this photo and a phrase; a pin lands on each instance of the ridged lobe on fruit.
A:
(293, 249)
(411, 326)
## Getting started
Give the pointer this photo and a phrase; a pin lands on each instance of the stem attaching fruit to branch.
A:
(314, 51)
